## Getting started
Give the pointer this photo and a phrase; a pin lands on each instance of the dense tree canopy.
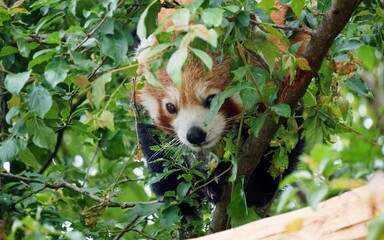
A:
(71, 165)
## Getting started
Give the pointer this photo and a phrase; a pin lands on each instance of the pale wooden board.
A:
(342, 217)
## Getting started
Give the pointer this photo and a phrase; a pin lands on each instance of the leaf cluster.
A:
(66, 70)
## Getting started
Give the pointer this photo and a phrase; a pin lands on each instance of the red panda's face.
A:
(182, 112)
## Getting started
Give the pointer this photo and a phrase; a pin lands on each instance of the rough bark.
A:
(334, 20)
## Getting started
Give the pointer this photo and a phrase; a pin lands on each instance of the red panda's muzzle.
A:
(196, 136)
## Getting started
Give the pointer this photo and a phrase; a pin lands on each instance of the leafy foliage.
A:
(68, 150)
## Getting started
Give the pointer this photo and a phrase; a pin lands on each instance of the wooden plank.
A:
(342, 217)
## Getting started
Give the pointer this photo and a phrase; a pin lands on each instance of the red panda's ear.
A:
(145, 98)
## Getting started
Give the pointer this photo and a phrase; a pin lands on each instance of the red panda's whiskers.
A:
(174, 142)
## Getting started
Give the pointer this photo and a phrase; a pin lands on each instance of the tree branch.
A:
(252, 150)
(283, 27)
(127, 228)
(62, 184)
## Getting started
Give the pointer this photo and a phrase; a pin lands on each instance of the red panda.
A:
(181, 112)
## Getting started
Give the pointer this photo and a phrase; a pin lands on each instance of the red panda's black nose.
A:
(196, 135)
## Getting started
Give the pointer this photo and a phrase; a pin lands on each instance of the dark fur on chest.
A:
(259, 190)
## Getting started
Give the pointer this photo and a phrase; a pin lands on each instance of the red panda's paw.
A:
(215, 190)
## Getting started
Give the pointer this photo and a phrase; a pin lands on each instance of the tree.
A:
(69, 154)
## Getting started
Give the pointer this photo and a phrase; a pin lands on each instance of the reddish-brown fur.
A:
(194, 75)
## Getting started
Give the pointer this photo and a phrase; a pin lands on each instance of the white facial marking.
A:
(151, 104)
(173, 93)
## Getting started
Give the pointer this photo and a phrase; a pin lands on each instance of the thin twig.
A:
(89, 35)
(284, 27)
(92, 161)
(130, 180)
(70, 186)
(261, 60)
(127, 228)
(29, 195)
(59, 139)
(97, 68)
(263, 100)
(143, 234)
(5, 70)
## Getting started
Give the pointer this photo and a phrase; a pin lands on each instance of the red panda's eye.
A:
(209, 100)
(171, 108)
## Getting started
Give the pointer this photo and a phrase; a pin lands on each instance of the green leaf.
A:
(232, 8)
(303, 64)
(8, 50)
(279, 162)
(81, 61)
(115, 46)
(15, 82)
(23, 47)
(351, 45)
(143, 210)
(267, 4)
(40, 57)
(358, 86)
(368, 54)
(113, 145)
(317, 194)
(39, 100)
(218, 101)
(29, 159)
(250, 98)
(43, 136)
(297, 7)
(343, 105)
(98, 88)
(175, 64)
(4, 16)
(282, 109)
(239, 73)
(194, 5)
(47, 21)
(257, 124)
(181, 17)
(269, 51)
(152, 79)
(313, 127)
(169, 216)
(54, 38)
(237, 208)
(14, 111)
(56, 71)
(182, 189)
(243, 18)
(147, 21)
(106, 120)
(204, 57)
(10, 149)
(212, 16)
(157, 49)
(210, 36)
